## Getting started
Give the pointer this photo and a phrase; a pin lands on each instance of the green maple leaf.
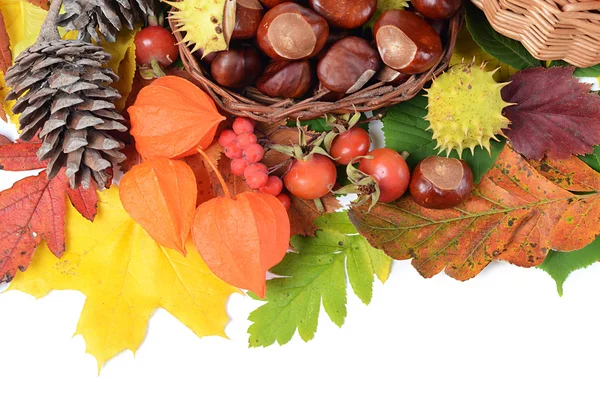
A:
(559, 265)
(316, 273)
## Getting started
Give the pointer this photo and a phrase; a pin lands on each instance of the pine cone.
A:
(64, 96)
(106, 16)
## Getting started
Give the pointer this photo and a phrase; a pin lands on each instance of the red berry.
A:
(350, 144)
(256, 180)
(238, 166)
(227, 137)
(246, 139)
(155, 43)
(232, 151)
(273, 187)
(390, 171)
(254, 153)
(256, 167)
(242, 125)
(311, 178)
(285, 200)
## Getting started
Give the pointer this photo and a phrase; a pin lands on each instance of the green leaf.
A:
(405, 129)
(592, 71)
(467, 49)
(560, 264)
(502, 48)
(316, 273)
(318, 125)
(593, 159)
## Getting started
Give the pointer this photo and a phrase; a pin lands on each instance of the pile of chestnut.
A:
(293, 49)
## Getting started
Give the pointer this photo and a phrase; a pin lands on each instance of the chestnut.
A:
(288, 79)
(237, 67)
(406, 42)
(248, 14)
(441, 182)
(348, 65)
(290, 32)
(345, 14)
(436, 9)
(392, 77)
(273, 3)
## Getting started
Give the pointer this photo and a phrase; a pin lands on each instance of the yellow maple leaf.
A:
(122, 62)
(125, 276)
(23, 23)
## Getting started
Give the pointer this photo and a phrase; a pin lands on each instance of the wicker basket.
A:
(251, 103)
(549, 29)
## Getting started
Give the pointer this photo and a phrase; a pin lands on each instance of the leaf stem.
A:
(49, 31)
(216, 171)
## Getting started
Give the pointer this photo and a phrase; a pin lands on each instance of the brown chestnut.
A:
(273, 3)
(248, 14)
(392, 77)
(406, 42)
(436, 9)
(289, 32)
(347, 14)
(287, 79)
(236, 68)
(441, 182)
(348, 65)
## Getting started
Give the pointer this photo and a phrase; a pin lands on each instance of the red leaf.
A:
(554, 115)
(40, 3)
(19, 156)
(84, 201)
(5, 54)
(32, 210)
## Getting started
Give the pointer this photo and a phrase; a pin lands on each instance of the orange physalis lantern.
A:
(172, 117)
(160, 195)
(240, 238)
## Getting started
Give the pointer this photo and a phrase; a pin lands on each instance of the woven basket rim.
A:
(253, 104)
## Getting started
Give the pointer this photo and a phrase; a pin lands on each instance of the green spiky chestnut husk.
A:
(465, 109)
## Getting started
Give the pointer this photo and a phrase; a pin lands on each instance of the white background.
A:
(504, 333)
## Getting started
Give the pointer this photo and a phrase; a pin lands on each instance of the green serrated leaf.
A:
(316, 273)
(559, 265)
(593, 159)
(502, 48)
(405, 129)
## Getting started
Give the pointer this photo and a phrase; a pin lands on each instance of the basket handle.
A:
(582, 6)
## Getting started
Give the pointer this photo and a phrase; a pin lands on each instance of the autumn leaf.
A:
(304, 213)
(40, 3)
(172, 117)
(554, 114)
(122, 62)
(317, 272)
(160, 195)
(514, 214)
(23, 21)
(5, 54)
(34, 209)
(203, 178)
(125, 276)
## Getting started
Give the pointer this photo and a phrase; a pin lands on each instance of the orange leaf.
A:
(5, 54)
(241, 238)
(515, 214)
(160, 195)
(172, 117)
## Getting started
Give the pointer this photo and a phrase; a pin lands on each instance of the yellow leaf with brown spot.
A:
(126, 276)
